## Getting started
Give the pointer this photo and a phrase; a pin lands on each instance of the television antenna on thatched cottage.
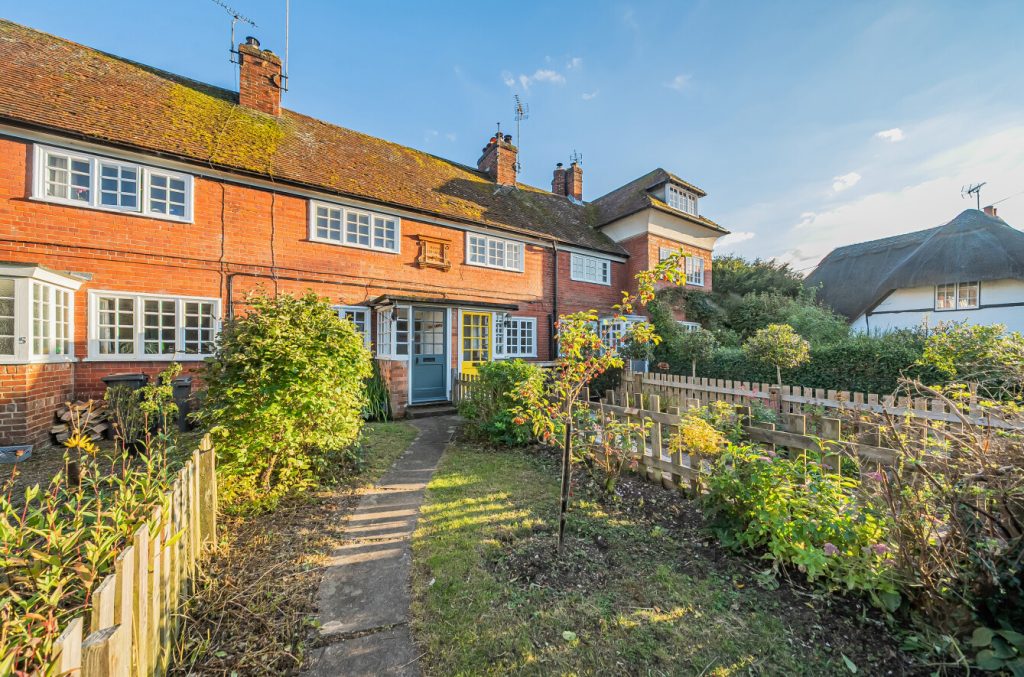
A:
(973, 189)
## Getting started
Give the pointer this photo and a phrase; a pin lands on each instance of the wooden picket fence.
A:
(462, 386)
(797, 400)
(832, 438)
(133, 621)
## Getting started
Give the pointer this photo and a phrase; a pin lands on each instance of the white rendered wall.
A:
(910, 308)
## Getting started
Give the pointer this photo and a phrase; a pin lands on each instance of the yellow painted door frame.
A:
(476, 340)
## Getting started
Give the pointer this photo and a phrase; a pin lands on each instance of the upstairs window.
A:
(335, 224)
(590, 269)
(144, 326)
(688, 326)
(493, 252)
(36, 314)
(102, 183)
(957, 296)
(680, 199)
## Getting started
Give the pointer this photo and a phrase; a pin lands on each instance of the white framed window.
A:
(680, 199)
(957, 296)
(515, 336)
(688, 326)
(85, 180)
(583, 268)
(494, 252)
(123, 325)
(335, 224)
(695, 270)
(36, 314)
(360, 317)
(393, 332)
(613, 329)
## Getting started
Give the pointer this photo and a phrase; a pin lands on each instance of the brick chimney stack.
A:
(499, 160)
(558, 180)
(574, 181)
(259, 80)
(991, 211)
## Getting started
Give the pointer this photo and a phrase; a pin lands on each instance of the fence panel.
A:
(134, 616)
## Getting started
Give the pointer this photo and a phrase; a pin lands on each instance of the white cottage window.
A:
(957, 296)
(36, 314)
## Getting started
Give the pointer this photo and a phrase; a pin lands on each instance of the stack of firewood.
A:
(91, 416)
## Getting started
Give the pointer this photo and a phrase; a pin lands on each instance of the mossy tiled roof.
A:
(53, 84)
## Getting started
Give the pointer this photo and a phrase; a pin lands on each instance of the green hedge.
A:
(860, 363)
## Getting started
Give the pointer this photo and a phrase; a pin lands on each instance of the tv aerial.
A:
(973, 189)
(522, 112)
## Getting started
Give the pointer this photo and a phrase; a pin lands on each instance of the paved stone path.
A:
(364, 595)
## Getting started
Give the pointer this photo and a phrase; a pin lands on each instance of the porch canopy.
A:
(392, 300)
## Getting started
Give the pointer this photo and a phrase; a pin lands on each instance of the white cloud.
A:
(574, 63)
(451, 136)
(525, 81)
(894, 135)
(679, 82)
(845, 182)
(733, 239)
(589, 96)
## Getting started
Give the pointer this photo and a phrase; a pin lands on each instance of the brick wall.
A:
(29, 395)
(242, 238)
(396, 375)
(645, 252)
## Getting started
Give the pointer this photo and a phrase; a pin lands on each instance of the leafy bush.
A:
(492, 399)
(801, 515)
(779, 346)
(286, 388)
(378, 398)
(820, 326)
(983, 354)
(737, 276)
(59, 542)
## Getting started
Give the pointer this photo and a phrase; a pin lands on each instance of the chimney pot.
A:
(991, 211)
(252, 41)
(499, 160)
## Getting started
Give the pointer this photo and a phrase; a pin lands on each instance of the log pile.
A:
(90, 415)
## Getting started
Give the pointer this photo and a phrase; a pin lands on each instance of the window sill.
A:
(146, 358)
(109, 210)
(367, 248)
(489, 267)
(392, 358)
(600, 284)
(57, 359)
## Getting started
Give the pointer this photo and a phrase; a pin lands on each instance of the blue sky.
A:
(810, 124)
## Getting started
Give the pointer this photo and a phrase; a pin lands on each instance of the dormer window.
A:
(680, 199)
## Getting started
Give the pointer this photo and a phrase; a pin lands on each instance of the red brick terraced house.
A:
(138, 207)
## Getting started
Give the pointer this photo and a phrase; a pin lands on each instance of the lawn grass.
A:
(254, 611)
(643, 603)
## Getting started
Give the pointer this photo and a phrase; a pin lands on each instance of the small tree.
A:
(287, 386)
(551, 407)
(778, 345)
(696, 346)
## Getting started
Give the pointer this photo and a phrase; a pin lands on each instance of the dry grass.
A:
(254, 610)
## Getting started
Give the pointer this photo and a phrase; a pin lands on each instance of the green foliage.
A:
(378, 398)
(59, 542)
(820, 326)
(802, 515)
(492, 399)
(735, 275)
(982, 354)
(286, 388)
(137, 412)
(999, 650)
(752, 312)
(779, 346)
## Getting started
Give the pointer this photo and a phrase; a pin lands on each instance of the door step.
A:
(432, 409)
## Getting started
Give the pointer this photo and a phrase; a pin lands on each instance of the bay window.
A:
(151, 327)
(36, 314)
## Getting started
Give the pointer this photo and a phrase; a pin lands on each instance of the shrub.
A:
(802, 515)
(378, 398)
(286, 387)
(492, 399)
(779, 346)
(58, 542)
(820, 326)
(138, 412)
(982, 354)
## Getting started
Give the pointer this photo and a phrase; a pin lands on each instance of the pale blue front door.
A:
(429, 354)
